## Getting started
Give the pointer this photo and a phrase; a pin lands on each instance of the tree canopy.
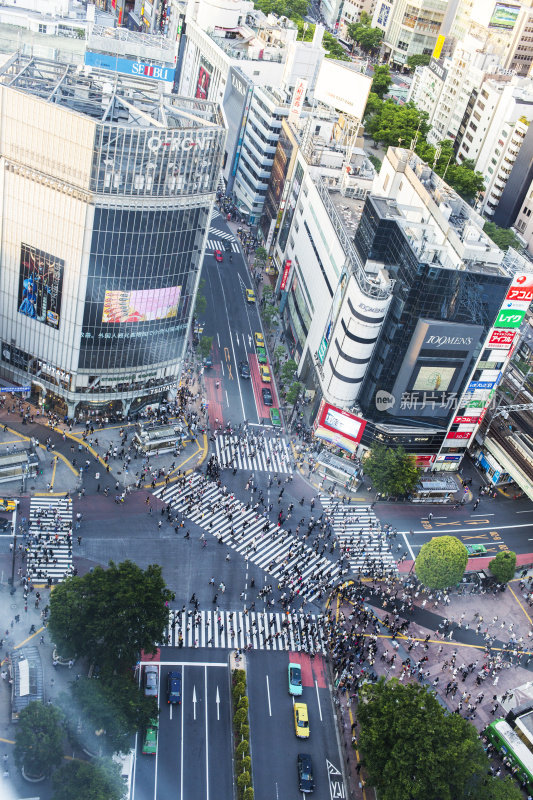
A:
(413, 749)
(97, 780)
(293, 9)
(391, 470)
(333, 48)
(110, 615)
(367, 37)
(418, 60)
(441, 562)
(39, 739)
(396, 125)
(381, 81)
(111, 710)
(503, 565)
(503, 237)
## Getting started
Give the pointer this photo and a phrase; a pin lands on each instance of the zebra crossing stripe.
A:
(358, 529)
(214, 244)
(222, 234)
(264, 630)
(253, 536)
(270, 455)
(43, 508)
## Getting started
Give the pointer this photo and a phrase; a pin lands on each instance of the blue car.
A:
(295, 679)
(174, 687)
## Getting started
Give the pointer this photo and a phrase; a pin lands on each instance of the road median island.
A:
(241, 732)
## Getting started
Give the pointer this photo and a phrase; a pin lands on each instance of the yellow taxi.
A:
(7, 504)
(301, 721)
(265, 374)
(259, 340)
(250, 296)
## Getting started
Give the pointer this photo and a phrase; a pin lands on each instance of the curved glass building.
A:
(107, 186)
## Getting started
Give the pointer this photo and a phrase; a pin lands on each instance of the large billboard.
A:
(342, 88)
(203, 81)
(504, 16)
(339, 427)
(126, 66)
(40, 285)
(142, 305)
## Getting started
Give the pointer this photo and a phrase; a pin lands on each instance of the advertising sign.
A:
(285, 276)
(458, 435)
(504, 16)
(40, 285)
(474, 385)
(202, 84)
(501, 340)
(142, 305)
(298, 98)
(509, 319)
(449, 458)
(126, 66)
(466, 420)
(322, 350)
(424, 461)
(342, 88)
(343, 422)
(521, 289)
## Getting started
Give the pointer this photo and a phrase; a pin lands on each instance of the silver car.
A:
(151, 676)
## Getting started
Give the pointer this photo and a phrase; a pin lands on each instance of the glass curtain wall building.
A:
(106, 196)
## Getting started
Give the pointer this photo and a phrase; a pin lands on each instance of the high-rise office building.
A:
(106, 194)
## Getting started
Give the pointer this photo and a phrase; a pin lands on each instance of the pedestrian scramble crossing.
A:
(222, 234)
(296, 568)
(360, 536)
(253, 453)
(49, 545)
(216, 244)
(240, 629)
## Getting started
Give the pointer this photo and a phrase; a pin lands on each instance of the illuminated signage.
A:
(285, 276)
(128, 67)
(501, 340)
(521, 289)
(509, 319)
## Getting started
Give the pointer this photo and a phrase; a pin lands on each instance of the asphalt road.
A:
(194, 757)
(274, 744)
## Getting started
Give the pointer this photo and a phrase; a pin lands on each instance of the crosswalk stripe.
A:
(43, 510)
(215, 244)
(358, 529)
(264, 630)
(205, 504)
(231, 447)
(222, 234)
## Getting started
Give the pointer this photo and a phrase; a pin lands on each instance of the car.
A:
(5, 524)
(275, 417)
(259, 339)
(301, 721)
(244, 369)
(150, 738)
(306, 781)
(267, 396)
(150, 680)
(218, 255)
(265, 374)
(250, 296)
(173, 687)
(295, 679)
(7, 504)
(261, 355)
(474, 550)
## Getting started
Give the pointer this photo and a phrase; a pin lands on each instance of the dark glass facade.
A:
(141, 278)
(465, 300)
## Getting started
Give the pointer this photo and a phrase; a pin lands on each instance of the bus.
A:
(510, 745)
(161, 439)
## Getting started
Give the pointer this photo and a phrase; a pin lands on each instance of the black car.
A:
(306, 781)
(267, 396)
(244, 369)
(5, 524)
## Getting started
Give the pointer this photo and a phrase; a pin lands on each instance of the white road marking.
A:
(472, 530)
(194, 701)
(268, 695)
(408, 545)
(182, 731)
(206, 738)
(217, 701)
(318, 700)
(529, 511)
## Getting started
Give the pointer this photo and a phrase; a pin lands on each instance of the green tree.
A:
(268, 293)
(110, 615)
(381, 81)
(97, 780)
(373, 105)
(367, 38)
(294, 9)
(279, 353)
(294, 392)
(201, 303)
(441, 562)
(288, 370)
(418, 60)
(503, 566)
(413, 749)
(498, 789)
(306, 30)
(397, 125)
(333, 48)
(465, 180)
(39, 739)
(503, 237)
(269, 314)
(111, 710)
(391, 470)
(206, 343)
(374, 160)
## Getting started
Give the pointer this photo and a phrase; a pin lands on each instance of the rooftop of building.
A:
(125, 42)
(107, 97)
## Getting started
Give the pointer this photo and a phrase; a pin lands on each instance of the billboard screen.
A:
(434, 379)
(202, 84)
(342, 421)
(504, 16)
(142, 305)
(342, 88)
(40, 285)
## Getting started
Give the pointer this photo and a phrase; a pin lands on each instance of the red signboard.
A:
(424, 461)
(285, 276)
(459, 435)
(501, 339)
(466, 420)
(341, 422)
(521, 288)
